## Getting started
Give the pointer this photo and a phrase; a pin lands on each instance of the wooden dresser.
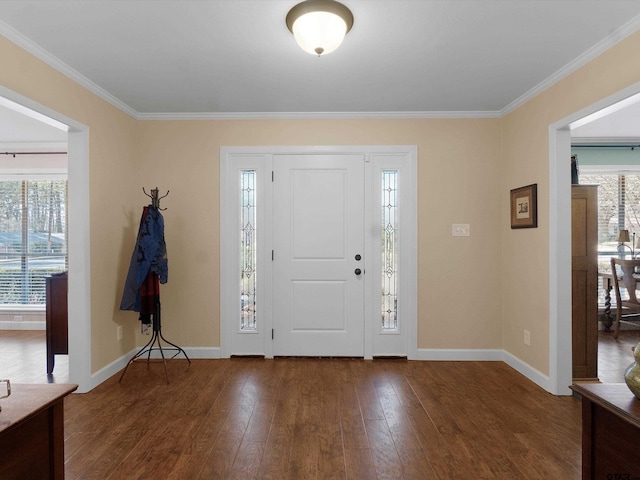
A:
(610, 431)
(57, 323)
(32, 432)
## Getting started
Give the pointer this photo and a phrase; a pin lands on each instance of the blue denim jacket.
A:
(149, 255)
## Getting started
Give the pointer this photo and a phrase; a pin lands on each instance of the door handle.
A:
(357, 271)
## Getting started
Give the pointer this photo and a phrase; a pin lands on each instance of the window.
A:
(618, 208)
(389, 250)
(33, 238)
(248, 250)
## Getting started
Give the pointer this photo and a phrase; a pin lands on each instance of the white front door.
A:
(318, 258)
(288, 247)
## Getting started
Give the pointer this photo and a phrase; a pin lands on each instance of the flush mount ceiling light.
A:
(319, 26)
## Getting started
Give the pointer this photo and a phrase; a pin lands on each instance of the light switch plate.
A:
(460, 230)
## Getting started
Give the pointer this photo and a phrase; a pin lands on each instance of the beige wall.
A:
(459, 178)
(113, 185)
(477, 293)
(526, 160)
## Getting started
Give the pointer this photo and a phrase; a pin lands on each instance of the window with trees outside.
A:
(618, 208)
(33, 238)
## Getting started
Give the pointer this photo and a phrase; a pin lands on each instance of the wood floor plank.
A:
(246, 465)
(383, 450)
(275, 460)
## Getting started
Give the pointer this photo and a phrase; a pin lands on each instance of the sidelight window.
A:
(248, 249)
(389, 238)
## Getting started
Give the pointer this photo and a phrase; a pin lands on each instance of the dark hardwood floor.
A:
(23, 358)
(614, 356)
(315, 418)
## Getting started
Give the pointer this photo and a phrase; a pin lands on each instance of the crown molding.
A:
(314, 115)
(25, 43)
(606, 43)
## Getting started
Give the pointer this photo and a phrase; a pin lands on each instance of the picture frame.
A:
(524, 207)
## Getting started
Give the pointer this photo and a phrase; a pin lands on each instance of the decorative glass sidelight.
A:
(389, 250)
(248, 248)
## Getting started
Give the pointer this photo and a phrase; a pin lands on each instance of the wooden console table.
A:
(610, 431)
(32, 432)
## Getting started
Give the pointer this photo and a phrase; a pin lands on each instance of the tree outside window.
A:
(33, 238)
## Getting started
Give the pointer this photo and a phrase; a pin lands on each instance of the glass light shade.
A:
(319, 33)
(319, 26)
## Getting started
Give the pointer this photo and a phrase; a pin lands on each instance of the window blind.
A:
(33, 238)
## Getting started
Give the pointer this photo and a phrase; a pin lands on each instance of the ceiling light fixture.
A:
(319, 26)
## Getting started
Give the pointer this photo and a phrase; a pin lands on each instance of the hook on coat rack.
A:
(155, 199)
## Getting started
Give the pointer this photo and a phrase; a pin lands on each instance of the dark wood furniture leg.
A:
(608, 319)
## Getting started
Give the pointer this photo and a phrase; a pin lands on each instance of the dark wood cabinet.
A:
(610, 431)
(57, 323)
(32, 432)
(584, 280)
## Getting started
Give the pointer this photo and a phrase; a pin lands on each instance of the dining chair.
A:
(624, 279)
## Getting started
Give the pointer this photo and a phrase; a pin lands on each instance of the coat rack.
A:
(155, 200)
(155, 343)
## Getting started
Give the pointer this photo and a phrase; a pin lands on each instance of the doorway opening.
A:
(79, 312)
(560, 358)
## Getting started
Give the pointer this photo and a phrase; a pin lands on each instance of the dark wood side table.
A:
(32, 432)
(610, 431)
(56, 318)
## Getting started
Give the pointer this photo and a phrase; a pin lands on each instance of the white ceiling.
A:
(621, 126)
(20, 132)
(236, 58)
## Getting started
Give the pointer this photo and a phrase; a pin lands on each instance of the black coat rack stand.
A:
(155, 343)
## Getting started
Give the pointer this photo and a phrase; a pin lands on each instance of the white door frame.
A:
(233, 159)
(560, 360)
(78, 235)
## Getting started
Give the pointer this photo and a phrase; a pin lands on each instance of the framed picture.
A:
(524, 207)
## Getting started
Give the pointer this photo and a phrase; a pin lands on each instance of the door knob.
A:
(357, 271)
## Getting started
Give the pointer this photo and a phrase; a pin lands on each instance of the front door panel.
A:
(318, 232)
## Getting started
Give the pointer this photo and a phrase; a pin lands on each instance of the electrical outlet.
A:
(527, 338)
(17, 318)
(460, 230)
(119, 332)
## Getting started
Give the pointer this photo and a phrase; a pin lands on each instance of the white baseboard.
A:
(116, 366)
(528, 371)
(445, 354)
(110, 370)
(192, 352)
(24, 325)
(525, 369)
(203, 352)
